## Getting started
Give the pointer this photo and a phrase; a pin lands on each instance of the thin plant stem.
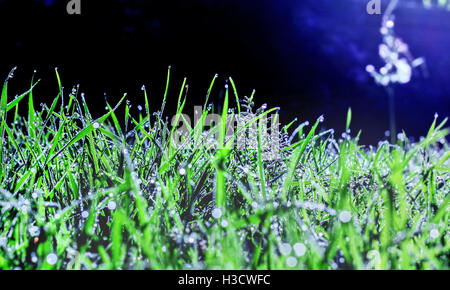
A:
(392, 121)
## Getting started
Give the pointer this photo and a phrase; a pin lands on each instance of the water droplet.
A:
(285, 249)
(34, 231)
(390, 24)
(51, 259)
(299, 249)
(434, 233)
(217, 213)
(291, 261)
(182, 171)
(370, 68)
(84, 214)
(112, 205)
(96, 125)
(345, 216)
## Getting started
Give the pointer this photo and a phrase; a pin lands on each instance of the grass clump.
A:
(78, 192)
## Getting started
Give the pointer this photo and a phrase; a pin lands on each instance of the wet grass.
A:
(78, 192)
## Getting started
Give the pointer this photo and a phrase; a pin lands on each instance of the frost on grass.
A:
(110, 193)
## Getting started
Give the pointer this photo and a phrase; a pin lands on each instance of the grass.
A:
(78, 192)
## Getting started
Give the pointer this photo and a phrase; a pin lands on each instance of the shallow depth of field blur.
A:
(91, 176)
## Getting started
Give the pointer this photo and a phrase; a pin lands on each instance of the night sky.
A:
(306, 56)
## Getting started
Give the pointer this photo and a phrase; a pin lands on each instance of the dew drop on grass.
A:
(291, 261)
(224, 223)
(84, 214)
(434, 233)
(34, 231)
(285, 249)
(96, 125)
(112, 205)
(345, 216)
(51, 259)
(139, 108)
(217, 213)
(182, 171)
(299, 249)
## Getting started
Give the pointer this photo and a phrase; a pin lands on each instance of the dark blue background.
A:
(306, 56)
